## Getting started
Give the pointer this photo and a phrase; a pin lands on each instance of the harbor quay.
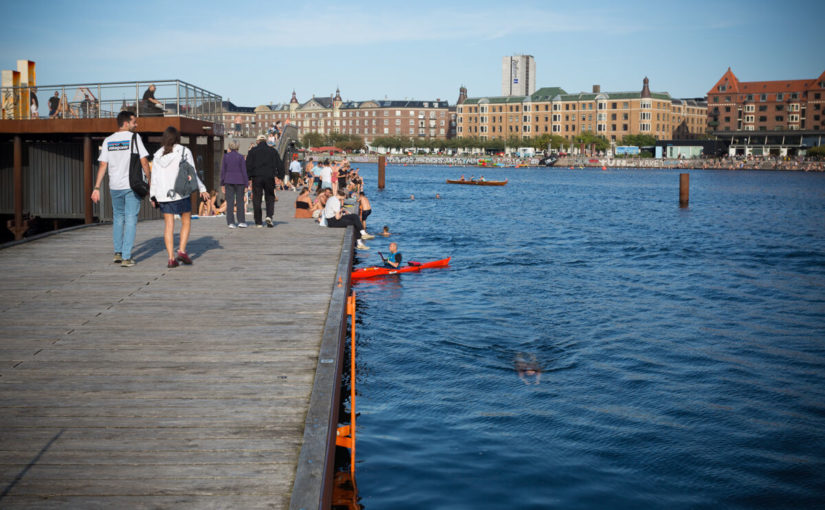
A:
(205, 386)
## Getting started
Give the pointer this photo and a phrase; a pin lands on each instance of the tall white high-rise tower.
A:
(518, 75)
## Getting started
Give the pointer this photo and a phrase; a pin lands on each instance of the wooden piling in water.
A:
(684, 190)
(382, 163)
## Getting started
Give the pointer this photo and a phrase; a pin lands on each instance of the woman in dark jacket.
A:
(233, 184)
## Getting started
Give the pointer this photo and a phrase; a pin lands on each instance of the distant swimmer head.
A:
(528, 368)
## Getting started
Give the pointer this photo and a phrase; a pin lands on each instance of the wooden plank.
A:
(151, 387)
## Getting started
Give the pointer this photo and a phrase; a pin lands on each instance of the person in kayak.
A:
(393, 260)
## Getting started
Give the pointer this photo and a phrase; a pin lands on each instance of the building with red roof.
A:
(785, 105)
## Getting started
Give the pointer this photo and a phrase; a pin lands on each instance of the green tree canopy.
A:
(588, 138)
(639, 140)
(313, 140)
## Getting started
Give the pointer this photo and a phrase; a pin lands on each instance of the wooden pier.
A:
(149, 387)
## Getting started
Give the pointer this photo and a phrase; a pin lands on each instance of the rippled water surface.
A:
(682, 352)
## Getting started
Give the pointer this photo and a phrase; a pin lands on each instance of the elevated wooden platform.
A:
(149, 387)
(185, 125)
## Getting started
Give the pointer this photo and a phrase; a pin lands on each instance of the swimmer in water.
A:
(412, 197)
(386, 232)
(528, 368)
(437, 195)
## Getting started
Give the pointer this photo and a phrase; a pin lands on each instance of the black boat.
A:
(548, 160)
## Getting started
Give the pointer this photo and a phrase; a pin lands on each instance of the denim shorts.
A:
(184, 205)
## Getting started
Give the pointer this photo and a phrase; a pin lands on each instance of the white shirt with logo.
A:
(116, 152)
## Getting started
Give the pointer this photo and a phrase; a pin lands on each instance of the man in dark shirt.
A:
(262, 167)
(54, 104)
(150, 104)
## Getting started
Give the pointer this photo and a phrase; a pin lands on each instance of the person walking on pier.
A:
(233, 185)
(295, 171)
(167, 165)
(115, 156)
(261, 167)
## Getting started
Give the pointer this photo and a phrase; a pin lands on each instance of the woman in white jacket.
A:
(165, 167)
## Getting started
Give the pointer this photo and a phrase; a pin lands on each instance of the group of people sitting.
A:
(332, 184)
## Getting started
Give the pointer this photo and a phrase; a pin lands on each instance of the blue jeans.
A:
(125, 209)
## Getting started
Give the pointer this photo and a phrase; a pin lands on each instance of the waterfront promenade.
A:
(149, 387)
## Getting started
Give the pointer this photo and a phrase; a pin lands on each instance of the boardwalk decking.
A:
(149, 387)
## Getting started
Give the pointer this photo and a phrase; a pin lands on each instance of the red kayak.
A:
(369, 272)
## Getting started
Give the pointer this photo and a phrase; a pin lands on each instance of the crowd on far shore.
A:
(726, 163)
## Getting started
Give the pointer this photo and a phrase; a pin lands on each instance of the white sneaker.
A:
(242, 225)
(232, 225)
(361, 246)
(269, 222)
(367, 236)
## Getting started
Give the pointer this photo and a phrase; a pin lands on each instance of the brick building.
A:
(787, 105)
(551, 110)
(369, 119)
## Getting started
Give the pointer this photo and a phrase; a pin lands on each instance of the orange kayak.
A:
(370, 272)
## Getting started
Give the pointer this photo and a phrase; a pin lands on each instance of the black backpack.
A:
(137, 180)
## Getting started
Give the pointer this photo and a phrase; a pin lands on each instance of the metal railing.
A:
(106, 100)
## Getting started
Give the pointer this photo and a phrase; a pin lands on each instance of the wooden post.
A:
(88, 178)
(684, 190)
(382, 163)
(19, 228)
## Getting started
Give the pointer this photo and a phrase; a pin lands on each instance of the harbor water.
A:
(592, 345)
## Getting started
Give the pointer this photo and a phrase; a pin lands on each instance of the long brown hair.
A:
(170, 137)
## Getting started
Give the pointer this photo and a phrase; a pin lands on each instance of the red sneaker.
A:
(183, 257)
(172, 263)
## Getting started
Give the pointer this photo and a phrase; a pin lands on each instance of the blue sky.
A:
(257, 52)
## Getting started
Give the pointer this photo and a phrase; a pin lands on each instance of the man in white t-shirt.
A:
(115, 155)
(338, 218)
(326, 175)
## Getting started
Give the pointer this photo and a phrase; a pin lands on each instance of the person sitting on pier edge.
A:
(261, 166)
(115, 157)
(166, 164)
(303, 204)
(393, 260)
(320, 202)
(233, 185)
(338, 218)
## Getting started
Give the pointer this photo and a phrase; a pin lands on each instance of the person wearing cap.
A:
(261, 167)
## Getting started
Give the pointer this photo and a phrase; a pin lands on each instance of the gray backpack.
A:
(186, 182)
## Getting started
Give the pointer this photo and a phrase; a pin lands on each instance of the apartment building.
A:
(551, 110)
(785, 105)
